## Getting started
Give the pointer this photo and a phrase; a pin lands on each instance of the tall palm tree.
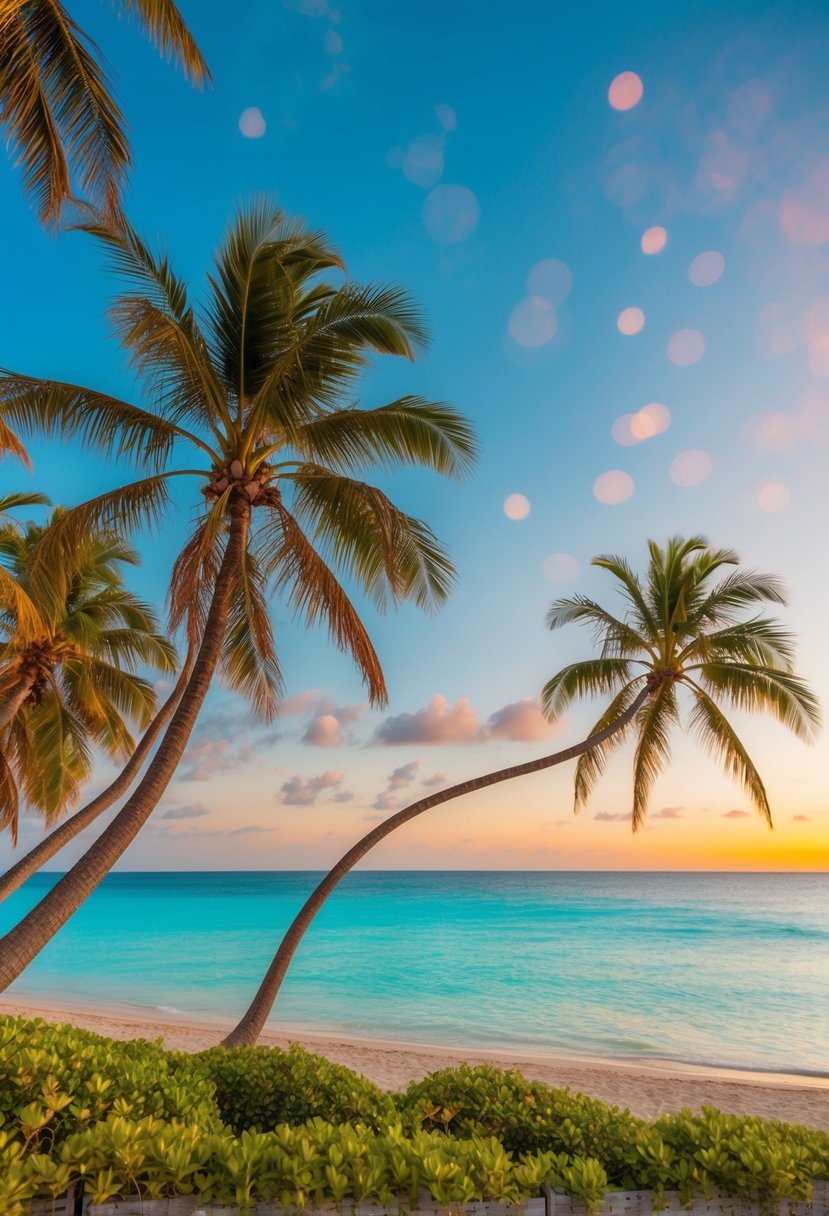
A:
(73, 686)
(56, 103)
(252, 396)
(679, 630)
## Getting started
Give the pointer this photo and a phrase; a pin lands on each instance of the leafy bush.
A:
(260, 1087)
(56, 1080)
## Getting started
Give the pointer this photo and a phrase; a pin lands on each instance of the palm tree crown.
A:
(74, 685)
(682, 629)
(56, 103)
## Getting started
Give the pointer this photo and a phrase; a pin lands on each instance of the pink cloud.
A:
(324, 731)
(736, 815)
(611, 817)
(521, 721)
(196, 811)
(300, 704)
(438, 723)
(206, 757)
(668, 812)
(802, 818)
(403, 776)
(385, 801)
(302, 791)
(435, 779)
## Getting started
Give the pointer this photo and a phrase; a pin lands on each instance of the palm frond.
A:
(719, 738)
(591, 764)
(9, 799)
(618, 638)
(391, 554)
(758, 640)
(84, 114)
(409, 431)
(653, 751)
(644, 620)
(753, 686)
(316, 596)
(10, 445)
(249, 660)
(589, 678)
(52, 756)
(167, 31)
(26, 112)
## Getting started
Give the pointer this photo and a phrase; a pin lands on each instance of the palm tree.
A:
(56, 104)
(66, 831)
(679, 630)
(247, 398)
(73, 686)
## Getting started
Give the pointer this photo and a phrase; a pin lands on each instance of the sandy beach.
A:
(647, 1089)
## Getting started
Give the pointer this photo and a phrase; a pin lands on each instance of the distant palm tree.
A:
(679, 630)
(56, 104)
(73, 686)
(257, 390)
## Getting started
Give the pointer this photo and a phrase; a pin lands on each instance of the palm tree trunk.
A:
(250, 1027)
(16, 697)
(17, 874)
(27, 939)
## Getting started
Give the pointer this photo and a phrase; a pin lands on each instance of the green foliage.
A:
(253, 1125)
(259, 1087)
(57, 1080)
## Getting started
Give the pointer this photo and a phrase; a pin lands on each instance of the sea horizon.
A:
(624, 965)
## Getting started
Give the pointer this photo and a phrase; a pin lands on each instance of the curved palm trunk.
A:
(26, 939)
(16, 697)
(250, 1027)
(17, 874)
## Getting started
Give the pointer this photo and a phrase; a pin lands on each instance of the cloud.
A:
(668, 812)
(251, 828)
(206, 757)
(610, 817)
(385, 801)
(302, 791)
(435, 779)
(736, 815)
(521, 721)
(343, 796)
(324, 731)
(325, 728)
(442, 723)
(438, 723)
(802, 818)
(404, 775)
(196, 811)
(300, 704)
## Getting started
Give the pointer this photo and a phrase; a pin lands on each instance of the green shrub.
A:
(56, 1080)
(260, 1087)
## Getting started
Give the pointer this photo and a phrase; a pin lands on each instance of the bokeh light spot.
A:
(560, 567)
(773, 496)
(706, 268)
(775, 334)
(630, 321)
(423, 161)
(691, 468)
(552, 279)
(687, 346)
(815, 329)
(654, 240)
(447, 117)
(533, 322)
(251, 123)
(333, 43)
(613, 487)
(621, 431)
(516, 506)
(625, 91)
(450, 214)
(651, 420)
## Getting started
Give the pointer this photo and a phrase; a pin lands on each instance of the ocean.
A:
(725, 969)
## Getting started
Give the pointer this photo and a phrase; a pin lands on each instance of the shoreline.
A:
(648, 1088)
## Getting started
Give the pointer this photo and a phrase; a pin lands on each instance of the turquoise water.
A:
(729, 969)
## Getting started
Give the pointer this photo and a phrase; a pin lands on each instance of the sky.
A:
(615, 218)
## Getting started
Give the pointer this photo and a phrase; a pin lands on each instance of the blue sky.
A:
(471, 153)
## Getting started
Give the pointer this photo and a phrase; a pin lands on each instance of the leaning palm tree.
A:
(680, 630)
(74, 686)
(56, 103)
(252, 397)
